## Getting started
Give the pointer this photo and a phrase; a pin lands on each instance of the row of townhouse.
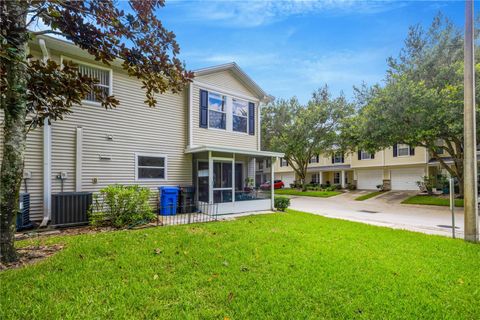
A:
(208, 137)
(396, 168)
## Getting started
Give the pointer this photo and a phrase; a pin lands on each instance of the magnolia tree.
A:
(35, 91)
(303, 131)
(421, 103)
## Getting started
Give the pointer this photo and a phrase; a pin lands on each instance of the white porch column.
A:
(320, 177)
(342, 177)
(233, 178)
(210, 177)
(272, 179)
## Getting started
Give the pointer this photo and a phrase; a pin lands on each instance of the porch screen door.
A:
(222, 181)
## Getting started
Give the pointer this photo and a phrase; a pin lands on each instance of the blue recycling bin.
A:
(168, 200)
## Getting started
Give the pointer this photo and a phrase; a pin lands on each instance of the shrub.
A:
(331, 188)
(281, 203)
(351, 186)
(121, 206)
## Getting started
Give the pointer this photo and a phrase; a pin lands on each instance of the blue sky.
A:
(290, 48)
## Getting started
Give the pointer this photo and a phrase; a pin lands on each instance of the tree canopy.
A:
(303, 131)
(421, 101)
(32, 91)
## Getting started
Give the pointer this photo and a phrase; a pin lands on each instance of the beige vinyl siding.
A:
(419, 157)
(216, 137)
(34, 164)
(135, 127)
(225, 79)
(377, 161)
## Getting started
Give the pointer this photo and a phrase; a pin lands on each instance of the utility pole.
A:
(470, 144)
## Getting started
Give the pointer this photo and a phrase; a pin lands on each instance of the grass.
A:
(369, 195)
(310, 193)
(432, 201)
(278, 266)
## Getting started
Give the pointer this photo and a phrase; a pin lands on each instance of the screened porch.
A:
(226, 177)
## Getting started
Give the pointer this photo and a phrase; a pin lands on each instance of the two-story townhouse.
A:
(396, 168)
(207, 136)
(322, 169)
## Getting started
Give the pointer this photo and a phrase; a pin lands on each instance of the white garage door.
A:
(287, 178)
(369, 179)
(406, 178)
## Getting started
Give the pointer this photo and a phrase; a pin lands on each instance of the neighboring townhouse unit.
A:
(396, 168)
(207, 137)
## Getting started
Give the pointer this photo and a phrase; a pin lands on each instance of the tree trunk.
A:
(15, 110)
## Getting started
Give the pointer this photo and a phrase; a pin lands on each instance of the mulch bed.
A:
(31, 254)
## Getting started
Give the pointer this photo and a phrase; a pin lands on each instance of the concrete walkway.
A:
(384, 210)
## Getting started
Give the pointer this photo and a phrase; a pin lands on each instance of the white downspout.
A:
(190, 114)
(47, 156)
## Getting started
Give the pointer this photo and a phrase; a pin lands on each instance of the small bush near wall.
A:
(121, 206)
(282, 203)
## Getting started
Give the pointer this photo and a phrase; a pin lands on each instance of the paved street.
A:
(384, 210)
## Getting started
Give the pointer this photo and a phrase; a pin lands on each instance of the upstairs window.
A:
(314, 159)
(240, 115)
(283, 163)
(217, 116)
(439, 145)
(403, 150)
(151, 167)
(104, 81)
(338, 158)
(364, 155)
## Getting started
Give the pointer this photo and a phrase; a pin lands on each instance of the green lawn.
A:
(369, 195)
(432, 201)
(278, 266)
(296, 192)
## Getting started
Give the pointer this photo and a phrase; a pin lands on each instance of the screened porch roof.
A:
(249, 152)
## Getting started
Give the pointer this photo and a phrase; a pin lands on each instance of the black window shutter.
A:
(251, 118)
(318, 158)
(412, 151)
(359, 155)
(343, 158)
(203, 109)
(333, 158)
(395, 150)
(372, 156)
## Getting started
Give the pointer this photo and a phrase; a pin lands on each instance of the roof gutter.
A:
(47, 156)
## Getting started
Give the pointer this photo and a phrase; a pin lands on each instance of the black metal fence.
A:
(193, 212)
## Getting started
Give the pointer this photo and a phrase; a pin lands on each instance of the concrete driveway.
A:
(384, 210)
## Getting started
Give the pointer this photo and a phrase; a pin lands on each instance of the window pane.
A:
(220, 196)
(103, 77)
(217, 120)
(216, 102)
(226, 175)
(239, 124)
(240, 108)
(403, 150)
(144, 161)
(151, 173)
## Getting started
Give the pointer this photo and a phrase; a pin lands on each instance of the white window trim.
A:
(398, 150)
(361, 155)
(248, 115)
(225, 110)
(156, 155)
(110, 89)
(342, 156)
(229, 110)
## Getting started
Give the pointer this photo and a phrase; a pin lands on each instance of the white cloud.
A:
(253, 13)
